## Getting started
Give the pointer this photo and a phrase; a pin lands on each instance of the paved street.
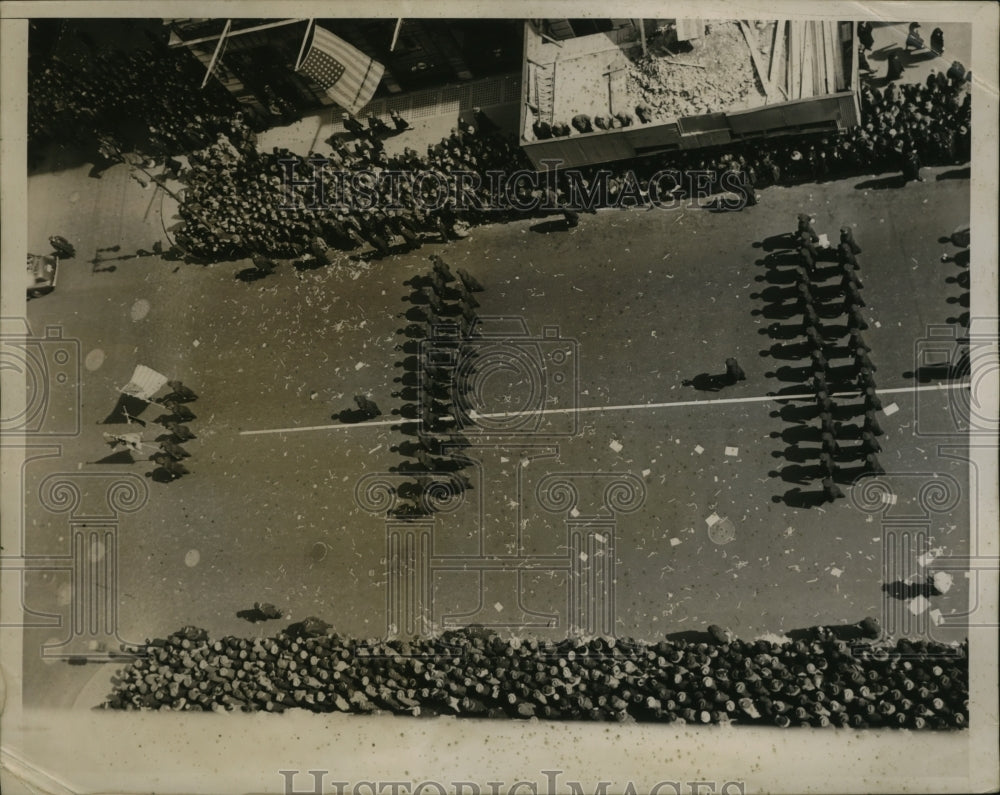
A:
(652, 299)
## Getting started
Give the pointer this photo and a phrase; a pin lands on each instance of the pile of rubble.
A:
(718, 75)
(475, 672)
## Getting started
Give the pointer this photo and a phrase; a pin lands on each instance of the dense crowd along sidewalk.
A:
(235, 202)
(238, 201)
(474, 672)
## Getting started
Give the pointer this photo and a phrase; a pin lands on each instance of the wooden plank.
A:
(755, 57)
(838, 60)
(830, 50)
(825, 57)
(806, 66)
(776, 43)
(794, 74)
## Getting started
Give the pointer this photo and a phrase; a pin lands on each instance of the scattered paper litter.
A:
(574, 512)
(645, 473)
(674, 542)
(732, 451)
(713, 519)
(891, 409)
(504, 459)
(498, 607)
(824, 241)
(583, 557)
(699, 449)
(196, 343)
(889, 499)
(918, 605)
(615, 445)
(942, 581)
(359, 365)
(927, 557)
(836, 572)
(936, 617)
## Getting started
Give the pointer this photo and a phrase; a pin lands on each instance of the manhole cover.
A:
(722, 532)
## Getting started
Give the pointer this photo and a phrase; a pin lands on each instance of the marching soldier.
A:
(829, 442)
(813, 335)
(873, 464)
(846, 257)
(856, 342)
(181, 392)
(855, 320)
(179, 410)
(734, 372)
(847, 239)
(470, 281)
(182, 432)
(827, 464)
(805, 228)
(871, 423)
(441, 267)
(852, 297)
(810, 317)
(368, 407)
(849, 276)
(174, 450)
(826, 423)
(871, 400)
(830, 490)
(861, 359)
(865, 379)
(869, 444)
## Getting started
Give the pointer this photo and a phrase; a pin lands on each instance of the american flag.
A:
(347, 75)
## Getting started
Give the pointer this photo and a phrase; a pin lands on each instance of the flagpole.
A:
(215, 55)
(395, 34)
(302, 49)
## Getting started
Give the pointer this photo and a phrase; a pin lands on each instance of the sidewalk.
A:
(432, 114)
(919, 63)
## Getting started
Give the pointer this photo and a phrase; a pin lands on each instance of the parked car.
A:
(42, 272)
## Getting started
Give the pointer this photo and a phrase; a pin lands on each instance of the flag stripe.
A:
(347, 75)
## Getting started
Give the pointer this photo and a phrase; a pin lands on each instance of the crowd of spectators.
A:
(904, 127)
(474, 672)
(235, 202)
(144, 101)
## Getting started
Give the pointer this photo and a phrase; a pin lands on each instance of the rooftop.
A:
(680, 68)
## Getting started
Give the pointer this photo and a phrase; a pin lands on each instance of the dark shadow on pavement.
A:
(127, 404)
(955, 173)
(882, 183)
(351, 416)
(797, 498)
(705, 382)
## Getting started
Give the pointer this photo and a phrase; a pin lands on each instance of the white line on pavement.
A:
(626, 407)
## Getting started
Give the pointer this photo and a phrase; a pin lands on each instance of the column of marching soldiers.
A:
(172, 454)
(448, 319)
(820, 302)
